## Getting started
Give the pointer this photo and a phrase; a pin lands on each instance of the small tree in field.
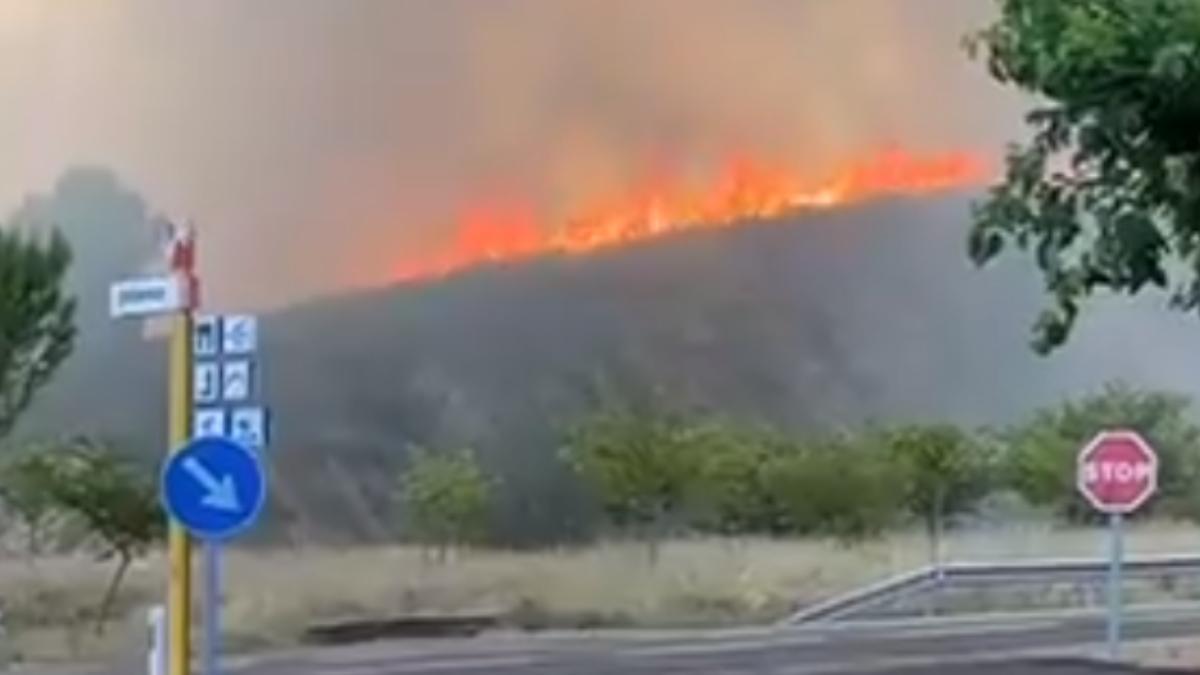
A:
(730, 496)
(1041, 454)
(446, 498)
(943, 473)
(25, 489)
(643, 466)
(835, 486)
(113, 500)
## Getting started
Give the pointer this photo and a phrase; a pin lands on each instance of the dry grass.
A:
(1182, 654)
(271, 596)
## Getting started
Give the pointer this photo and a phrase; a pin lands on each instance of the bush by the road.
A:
(446, 498)
(942, 471)
(91, 485)
(669, 473)
(1039, 456)
(841, 487)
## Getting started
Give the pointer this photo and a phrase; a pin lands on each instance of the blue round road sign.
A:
(214, 487)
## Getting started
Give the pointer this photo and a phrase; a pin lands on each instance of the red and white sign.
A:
(181, 248)
(181, 260)
(1118, 471)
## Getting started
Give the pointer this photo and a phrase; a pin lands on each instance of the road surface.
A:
(1025, 645)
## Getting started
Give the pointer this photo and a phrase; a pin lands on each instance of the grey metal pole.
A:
(1116, 553)
(212, 608)
(156, 659)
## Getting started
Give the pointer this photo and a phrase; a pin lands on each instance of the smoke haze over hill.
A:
(811, 322)
(315, 146)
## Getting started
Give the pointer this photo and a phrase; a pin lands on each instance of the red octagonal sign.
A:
(1118, 471)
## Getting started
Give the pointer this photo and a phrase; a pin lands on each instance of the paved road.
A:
(978, 647)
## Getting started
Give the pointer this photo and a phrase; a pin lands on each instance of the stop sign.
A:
(1118, 471)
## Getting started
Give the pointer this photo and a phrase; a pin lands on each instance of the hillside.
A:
(870, 312)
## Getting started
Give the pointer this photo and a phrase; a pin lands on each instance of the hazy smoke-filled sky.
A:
(315, 142)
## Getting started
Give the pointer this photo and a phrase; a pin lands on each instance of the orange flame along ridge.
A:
(742, 191)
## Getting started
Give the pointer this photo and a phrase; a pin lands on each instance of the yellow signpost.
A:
(174, 296)
(181, 259)
(179, 596)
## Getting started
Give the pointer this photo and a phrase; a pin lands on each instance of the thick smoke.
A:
(315, 142)
(108, 226)
(818, 322)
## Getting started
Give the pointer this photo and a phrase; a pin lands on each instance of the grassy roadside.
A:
(1179, 654)
(271, 596)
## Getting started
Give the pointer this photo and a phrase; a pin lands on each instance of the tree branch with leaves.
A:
(37, 327)
(111, 497)
(25, 490)
(1106, 193)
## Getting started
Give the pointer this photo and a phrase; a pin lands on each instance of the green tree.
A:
(1040, 459)
(839, 486)
(642, 465)
(112, 498)
(36, 317)
(446, 498)
(729, 495)
(25, 488)
(943, 472)
(1106, 193)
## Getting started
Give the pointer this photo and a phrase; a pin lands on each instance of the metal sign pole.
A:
(216, 489)
(213, 484)
(156, 659)
(212, 608)
(1117, 471)
(1116, 553)
(181, 262)
(179, 597)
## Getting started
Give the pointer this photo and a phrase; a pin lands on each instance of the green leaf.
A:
(1118, 83)
(37, 328)
(446, 497)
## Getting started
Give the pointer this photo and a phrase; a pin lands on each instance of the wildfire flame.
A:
(743, 190)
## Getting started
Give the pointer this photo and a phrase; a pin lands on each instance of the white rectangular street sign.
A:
(206, 338)
(209, 423)
(147, 296)
(236, 384)
(206, 382)
(239, 334)
(248, 426)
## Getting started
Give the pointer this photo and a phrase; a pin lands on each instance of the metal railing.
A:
(977, 574)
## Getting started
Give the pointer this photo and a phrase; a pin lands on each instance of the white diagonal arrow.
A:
(222, 494)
